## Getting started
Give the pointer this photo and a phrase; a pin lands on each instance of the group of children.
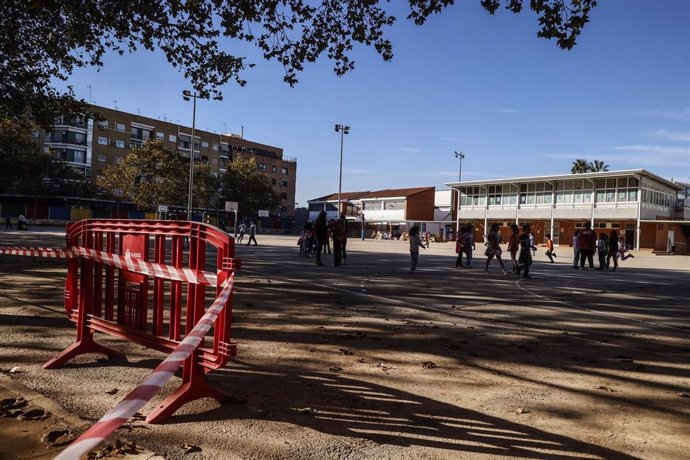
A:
(522, 247)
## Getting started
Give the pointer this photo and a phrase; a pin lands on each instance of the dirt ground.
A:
(368, 361)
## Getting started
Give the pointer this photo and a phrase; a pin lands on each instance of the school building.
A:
(648, 211)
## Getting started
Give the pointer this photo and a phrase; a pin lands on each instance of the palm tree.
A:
(598, 166)
(580, 166)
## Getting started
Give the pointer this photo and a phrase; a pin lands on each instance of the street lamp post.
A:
(342, 129)
(187, 95)
(460, 156)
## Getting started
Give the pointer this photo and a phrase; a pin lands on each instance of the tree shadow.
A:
(337, 405)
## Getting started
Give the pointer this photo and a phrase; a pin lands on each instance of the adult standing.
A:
(494, 248)
(343, 237)
(337, 231)
(252, 234)
(514, 246)
(469, 244)
(415, 244)
(576, 250)
(321, 233)
(613, 250)
(588, 243)
(525, 259)
(8, 221)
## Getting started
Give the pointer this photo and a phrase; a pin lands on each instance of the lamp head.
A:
(346, 129)
(186, 94)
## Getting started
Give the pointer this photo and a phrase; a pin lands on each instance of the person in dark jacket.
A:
(587, 244)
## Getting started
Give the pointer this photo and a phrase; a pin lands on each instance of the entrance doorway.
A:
(630, 235)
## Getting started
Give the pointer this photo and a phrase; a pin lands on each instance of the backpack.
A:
(460, 245)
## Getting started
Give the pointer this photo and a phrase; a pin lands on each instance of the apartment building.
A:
(645, 209)
(89, 145)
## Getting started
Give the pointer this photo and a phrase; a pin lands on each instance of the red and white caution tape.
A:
(140, 266)
(143, 393)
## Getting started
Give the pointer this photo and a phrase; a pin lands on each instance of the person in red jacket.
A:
(587, 244)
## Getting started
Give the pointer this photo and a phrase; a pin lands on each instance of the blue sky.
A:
(516, 105)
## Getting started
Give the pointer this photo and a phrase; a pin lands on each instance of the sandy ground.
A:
(368, 361)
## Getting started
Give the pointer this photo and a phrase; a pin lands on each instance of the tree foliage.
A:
(46, 40)
(23, 163)
(153, 175)
(242, 182)
(27, 170)
(598, 166)
(581, 165)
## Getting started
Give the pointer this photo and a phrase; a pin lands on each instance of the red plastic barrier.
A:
(146, 309)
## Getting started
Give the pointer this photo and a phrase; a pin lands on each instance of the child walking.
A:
(415, 244)
(602, 250)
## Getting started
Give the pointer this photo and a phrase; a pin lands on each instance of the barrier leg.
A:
(193, 387)
(82, 347)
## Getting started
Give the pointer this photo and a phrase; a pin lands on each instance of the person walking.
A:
(321, 233)
(576, 250)
(494, 248)
(514, 246)
(613, 250)
(415, 244)
(252, 234)
(469, 244)
(525, 258)
(602, 249)
(460, 246)
(587, 245)
(549, 248)
(243, 228)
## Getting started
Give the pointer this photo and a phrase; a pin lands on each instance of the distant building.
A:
(349, 205)
(647, 210)
(89, 145)
(390, 210)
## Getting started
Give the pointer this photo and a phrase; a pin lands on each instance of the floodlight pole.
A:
(460, 156)
(342, 129)
(191, 95)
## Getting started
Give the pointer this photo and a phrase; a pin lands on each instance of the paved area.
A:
(442, 363)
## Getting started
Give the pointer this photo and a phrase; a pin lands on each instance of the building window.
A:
(160, 135)
(120, 126)
(283, 208)
(394, 204)
(35, 133)
(273, 181)
(120, 144)
(274, 168)
(204, 144)
(283, 195)
(101, 157)
(284, 183)
(172, 138)
(215, 147)
(102, 140)
(103, 124)
(262, 166)
(284, 171)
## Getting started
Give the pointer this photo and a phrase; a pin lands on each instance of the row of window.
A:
(274, 168)
(385, 205)
(567, 192)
